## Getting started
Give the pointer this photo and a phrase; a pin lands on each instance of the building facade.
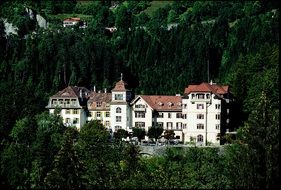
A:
(200, 116)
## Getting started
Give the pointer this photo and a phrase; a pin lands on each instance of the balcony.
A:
(140, 109)
(200, 100)
(76, 105)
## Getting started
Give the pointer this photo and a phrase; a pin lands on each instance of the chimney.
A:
(80, 92)
(94, 88)
(99, 91)
(105, 90)
(211, 82)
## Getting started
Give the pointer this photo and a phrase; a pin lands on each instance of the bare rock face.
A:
(9, 28)
(42, 23)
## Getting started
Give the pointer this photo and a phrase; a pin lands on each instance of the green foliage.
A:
(239, 41)
(169, 134)
(120, 133)
(139, 133)
(155, 131)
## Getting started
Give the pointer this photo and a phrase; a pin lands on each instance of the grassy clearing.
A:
(156, 5)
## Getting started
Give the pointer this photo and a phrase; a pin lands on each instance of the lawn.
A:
(156, 5)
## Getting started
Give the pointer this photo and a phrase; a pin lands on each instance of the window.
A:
(118, 110)
(200, 116)
(67, 101)
(118, 118)
(140, 124)
(107, 114)
(169, 125)
(67, 111)
(218, 106)
(54, 101)
(218, 116)
(139, 106)
(208, 96)
(179, 115)
(184, 116)
(67, 120)
(160, 115)
(73, 101)
(98, 104)
(184, 126)
(192, 96)
(178, 125)
(98, 114)
(218, 126)
(117, 127)
(200, 126)
(169, 115)
(140, 114)
(107, 123)
(160, 124)
(118, 96)
(60, 101)
(200, 96)
(90, 114)
(75, 111)
(200, 138)
(200, 106)
(75, 120)
(184, 106)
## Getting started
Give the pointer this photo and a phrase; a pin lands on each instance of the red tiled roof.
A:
(71, 92)
(206, 87)
(120, 86)
(163, 103)
(104, 98)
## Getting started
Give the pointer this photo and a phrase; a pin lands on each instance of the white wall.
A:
(148, 114)
(209, 120)
(68, 118)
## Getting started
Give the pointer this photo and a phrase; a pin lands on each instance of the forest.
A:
(162, 51)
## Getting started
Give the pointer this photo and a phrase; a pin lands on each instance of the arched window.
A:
(200, 138)
(118, 110)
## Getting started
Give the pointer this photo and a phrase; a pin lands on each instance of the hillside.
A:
(230, 43)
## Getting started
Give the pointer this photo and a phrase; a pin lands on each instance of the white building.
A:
(163, 111)
(72, 103)
(207, 112)
(120, 110)
(199, 116)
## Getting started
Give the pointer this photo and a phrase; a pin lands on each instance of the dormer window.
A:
(98, 104)
(118, 96)
(179, 104)
(170, 104)
(160, 104)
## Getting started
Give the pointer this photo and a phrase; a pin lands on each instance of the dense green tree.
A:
(155, 131)
(120, 133)
(66, 169)
(139, 133)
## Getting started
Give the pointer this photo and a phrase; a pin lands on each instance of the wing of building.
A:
(200, 115)
(72, 103)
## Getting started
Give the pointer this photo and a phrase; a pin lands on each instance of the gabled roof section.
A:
(71, 92)
(206, 87)
(120, 86)
(163, 103)
(100, 97)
